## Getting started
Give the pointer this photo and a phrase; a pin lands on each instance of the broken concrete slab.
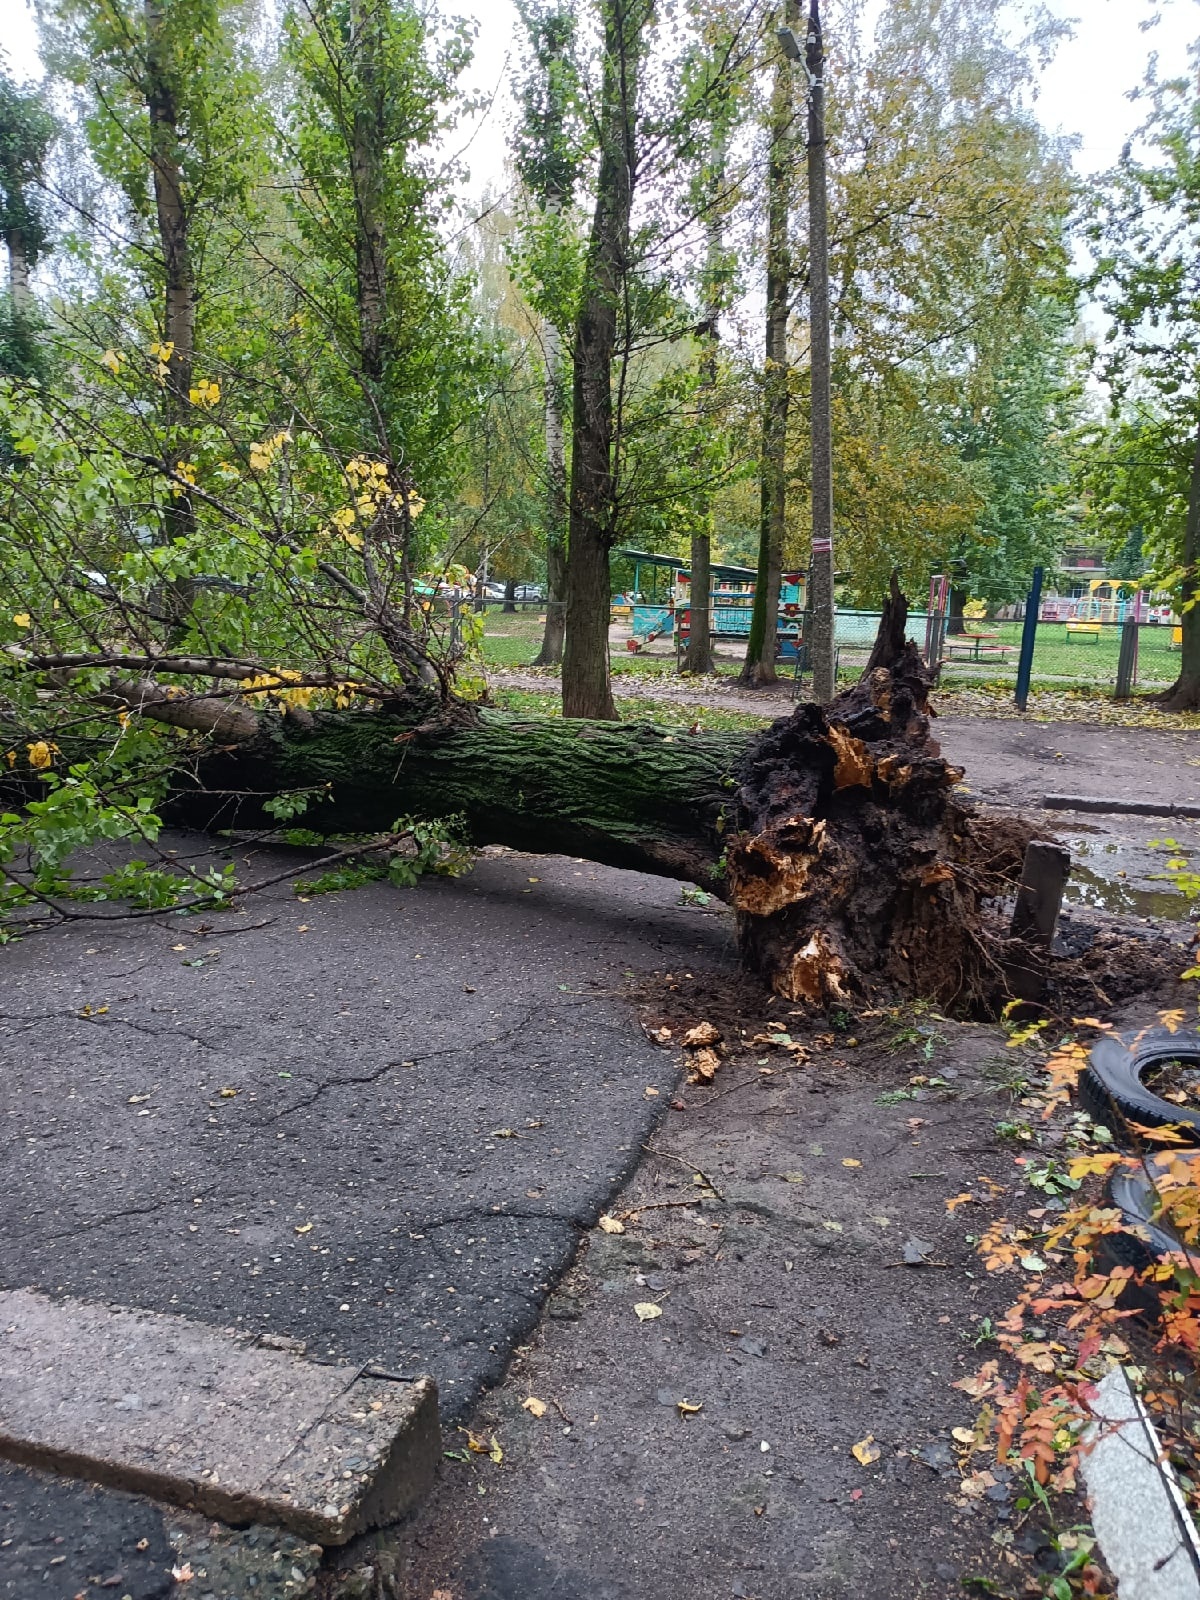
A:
(208, 1419)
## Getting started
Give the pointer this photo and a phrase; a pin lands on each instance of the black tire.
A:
(1131, 1190)
(1112, 1091)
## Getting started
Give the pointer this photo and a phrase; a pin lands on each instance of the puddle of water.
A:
(1088, 888)
(1135, 895)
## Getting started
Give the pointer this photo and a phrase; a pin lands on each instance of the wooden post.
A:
(1039, 899)
(1035, 916)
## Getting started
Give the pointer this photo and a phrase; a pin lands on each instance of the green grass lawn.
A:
(1081, 658)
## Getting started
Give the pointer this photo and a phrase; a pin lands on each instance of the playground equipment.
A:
(659, 604)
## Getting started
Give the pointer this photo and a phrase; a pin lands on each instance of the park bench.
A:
(1084, 630)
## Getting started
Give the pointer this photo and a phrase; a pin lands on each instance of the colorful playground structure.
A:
(1107, 600)
(658, 603)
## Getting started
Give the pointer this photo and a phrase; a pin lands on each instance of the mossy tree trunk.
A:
(836, 836)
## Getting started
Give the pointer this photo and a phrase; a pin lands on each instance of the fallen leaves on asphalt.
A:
(866, 1452)
(611, 1225)
(646, 1310)
(685, 1408)
(536, 1408)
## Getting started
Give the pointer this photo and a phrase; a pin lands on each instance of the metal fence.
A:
(1075, 652)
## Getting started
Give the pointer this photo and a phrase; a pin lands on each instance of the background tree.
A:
(548, 148)
(27, 131)
(1146, 233)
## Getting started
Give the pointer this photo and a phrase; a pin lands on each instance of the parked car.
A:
(529, 593)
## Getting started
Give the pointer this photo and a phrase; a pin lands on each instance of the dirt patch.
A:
(746, 1391)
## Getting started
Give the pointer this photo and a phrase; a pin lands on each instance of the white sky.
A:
(1083, 92)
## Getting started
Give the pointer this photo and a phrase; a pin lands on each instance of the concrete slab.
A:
(208, 1419)
(1138, 1512)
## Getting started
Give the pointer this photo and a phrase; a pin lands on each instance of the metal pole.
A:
(821, 571)
(1028, 638)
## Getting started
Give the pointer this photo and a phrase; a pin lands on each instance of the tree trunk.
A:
(822, 656)
(1184, 694)
(19, 290)
(699, 657)
(370, 246)
(837, 838)
(550, 655)
(179, 306)
(891, 640)
(510, 595)
(956, 621)
(759, 668)
(587, 687)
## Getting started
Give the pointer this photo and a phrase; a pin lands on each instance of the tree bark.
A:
(510, 595)
(956, 621)
(587, 687)
(550, 655)
(1184, 693)
(822, 657)
(853, 867)
(891, 640)
(179, 302)
(19, 290)
(759, 667)
(699, 657)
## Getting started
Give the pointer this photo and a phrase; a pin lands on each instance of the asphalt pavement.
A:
(376, 1121)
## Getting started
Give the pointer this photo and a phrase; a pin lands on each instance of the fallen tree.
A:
(836, 835)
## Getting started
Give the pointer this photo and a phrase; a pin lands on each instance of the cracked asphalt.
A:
(376, 1121)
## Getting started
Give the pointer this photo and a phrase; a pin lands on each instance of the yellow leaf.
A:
(685, 1408)
(22, 619)
(39, 755)
(866, 1451)
(179, 947)
(611, 1225)
(957, 1200)
(228, 1094)
(850, 1162)
(305, 1228)
(495, 1452)
(536, 1408)
(112, 360)
(1085, 1166)
(963, 1435)
(646, 1310)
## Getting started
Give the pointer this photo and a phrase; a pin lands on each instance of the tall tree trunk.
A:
(510, 595)
(956, 621)
(1184, 694)
(370, 246)
(699, 657)
(556, 499)
(759, 668)
(19, 290)
(821, 654)
(587, 687)
(179, 305)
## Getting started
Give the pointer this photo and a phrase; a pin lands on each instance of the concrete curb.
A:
(1142, 1524)
(205, 1418)
(1133, 808)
